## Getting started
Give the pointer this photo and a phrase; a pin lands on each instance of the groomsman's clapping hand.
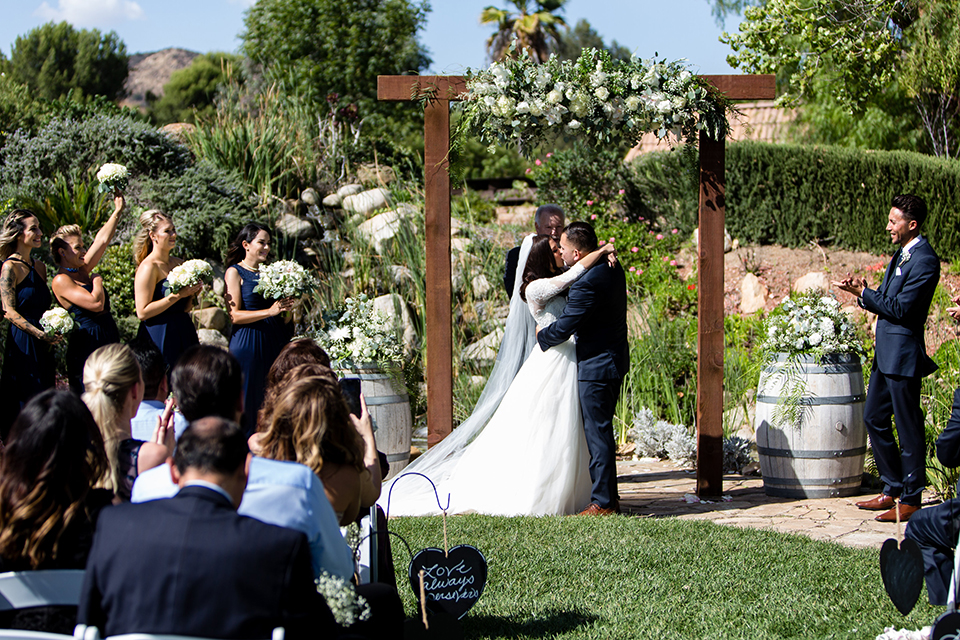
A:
(852, 285)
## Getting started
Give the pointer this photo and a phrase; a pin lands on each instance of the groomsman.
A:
(901, 304)
(548, 221)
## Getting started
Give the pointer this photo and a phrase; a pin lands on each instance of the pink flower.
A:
(621, 192)
(613, 239)
(602, 242)
(665, 258)
(589, 203)
(659, 236)
(593, 216)
(651, 233)
(529, 170)
(639, 270)
(642, 218)
(675, 231)
(537, 162)
(635, 249)
(550, 155)
(673, 263)
(625, 219)
(632, 269)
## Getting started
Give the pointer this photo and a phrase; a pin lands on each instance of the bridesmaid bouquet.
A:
(56, 321)
(112, 177)
(284, 279)
(344, 602)
(188, 274)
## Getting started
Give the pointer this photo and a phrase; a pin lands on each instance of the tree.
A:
(535, 32)
(583, 36)
(312, 48)
(190, 93)
(54, 59)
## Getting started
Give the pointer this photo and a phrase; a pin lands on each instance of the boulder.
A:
(381, 227)
(219, 286)
(375, 174)
(460, 244)
(813, 281)
(753, 294)
(481, 286)
(294, 227)
(483, 351)
(400, 274)
(333, 201)
(349, 190)
(367, 202)
(309, 196)
(395, 309)
(179, 131)
(212, 318)
(457, 226)
(521, 215)
(215, 338)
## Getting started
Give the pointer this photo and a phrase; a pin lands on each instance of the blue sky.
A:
(672, 28)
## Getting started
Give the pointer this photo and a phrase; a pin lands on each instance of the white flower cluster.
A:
(346, 606)
(284, 279)
(56, 321)
(360, 334)
(188, 274)
(811, 324)
(519, 101)
(112, 177)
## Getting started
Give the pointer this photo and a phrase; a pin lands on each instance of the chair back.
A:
(44, 588)
(19, 634)
(83, 632)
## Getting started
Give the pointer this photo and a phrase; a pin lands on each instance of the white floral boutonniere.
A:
(904, 257)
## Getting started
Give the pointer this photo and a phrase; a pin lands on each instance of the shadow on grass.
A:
(547, 624)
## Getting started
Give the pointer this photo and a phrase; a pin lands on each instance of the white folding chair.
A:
(18, 634)
(46, 588)
(83, 632)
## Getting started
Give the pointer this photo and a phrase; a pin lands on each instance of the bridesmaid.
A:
(28, 366)
(81, 292)
(259, 329)
(163, 317)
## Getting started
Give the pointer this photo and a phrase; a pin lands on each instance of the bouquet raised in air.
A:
(112, 177)
(188, 274)
(284, 279)
(56, 321)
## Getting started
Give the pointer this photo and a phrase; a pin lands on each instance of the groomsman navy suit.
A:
(596, 312)
(901, 304)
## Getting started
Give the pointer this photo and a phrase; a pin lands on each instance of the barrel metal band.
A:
(396, 457)
(819, 400)
(373, 401)
(852, 367)
(807, 482)
(811, 453)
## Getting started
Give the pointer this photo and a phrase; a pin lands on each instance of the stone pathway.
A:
(656, 489)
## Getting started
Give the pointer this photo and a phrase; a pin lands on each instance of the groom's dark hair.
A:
(582, 236)
(912, 207)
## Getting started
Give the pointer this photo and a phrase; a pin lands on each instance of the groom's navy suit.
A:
(901, 303)
(596, 312)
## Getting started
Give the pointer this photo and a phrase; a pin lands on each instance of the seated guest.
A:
(296, 353)
(48, 510)
(113, 389)
(207, 382)
(155, 392)
(191, 565)
(936, 529)
(308, 421)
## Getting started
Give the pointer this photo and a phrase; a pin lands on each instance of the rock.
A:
(349, 190)
(521, 215)
(375, 174)
(294, 207)
(380, 228)
(310, 196)
(333, 201)
(219, 286)
(178, 131)
(215, 338)
(367, 202)
(460, 244)
(294, 227)
(477, 381)
(751, 469)
(481, 286)
(727, 240)
(484, 350)
(212, 318)
(395, 309)
(814, 281)
(400, 274)
(753, 294)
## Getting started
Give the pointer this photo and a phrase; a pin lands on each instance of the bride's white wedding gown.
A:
(531, 457)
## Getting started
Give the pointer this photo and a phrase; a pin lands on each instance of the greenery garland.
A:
(599, 99)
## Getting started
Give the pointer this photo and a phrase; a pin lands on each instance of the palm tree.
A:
(537, 32)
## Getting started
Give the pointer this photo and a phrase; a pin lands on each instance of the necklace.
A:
(244, 264)
(69, 270)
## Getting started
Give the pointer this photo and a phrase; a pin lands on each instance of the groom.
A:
(596, 312)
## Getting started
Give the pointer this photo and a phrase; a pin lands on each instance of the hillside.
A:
(150, 71)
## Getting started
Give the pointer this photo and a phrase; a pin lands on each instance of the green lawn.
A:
(624, 577)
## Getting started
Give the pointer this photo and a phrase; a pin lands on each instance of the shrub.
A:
(117, 269)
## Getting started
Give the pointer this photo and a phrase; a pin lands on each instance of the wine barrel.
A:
(822, 456)
(390, 411)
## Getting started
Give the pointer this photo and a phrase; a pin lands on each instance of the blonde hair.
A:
(13, 227)
(149, 221)
(59, 239)
(108, 375)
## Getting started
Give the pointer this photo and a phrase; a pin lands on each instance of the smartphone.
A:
(351, 392)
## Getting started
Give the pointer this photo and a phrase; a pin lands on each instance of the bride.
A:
(522, 451)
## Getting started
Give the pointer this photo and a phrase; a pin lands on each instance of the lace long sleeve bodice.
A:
(543, 297)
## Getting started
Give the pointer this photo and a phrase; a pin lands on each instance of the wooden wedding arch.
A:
(436, 131)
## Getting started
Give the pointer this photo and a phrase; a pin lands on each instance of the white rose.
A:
(554, 97)
(815, 339)
(523, 107)
(633, 102)
(664, 106)
(602, 93)
(573, 124)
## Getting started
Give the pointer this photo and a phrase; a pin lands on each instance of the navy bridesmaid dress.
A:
(172, 331)
(256, 345)
(28, 365)
(93, 330)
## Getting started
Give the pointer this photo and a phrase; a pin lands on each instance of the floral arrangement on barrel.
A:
(602, 99)
(358, 336)
(804, 327)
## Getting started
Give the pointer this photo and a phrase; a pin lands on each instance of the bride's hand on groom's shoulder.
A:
(611, 252)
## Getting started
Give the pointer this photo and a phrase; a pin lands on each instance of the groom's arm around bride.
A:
(596, 312)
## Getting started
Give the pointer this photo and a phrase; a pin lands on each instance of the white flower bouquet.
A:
(112, 177)
(359, 334)
(346, 606)
(56, 321)
(810, 324)
(188, 274)
(284, 279)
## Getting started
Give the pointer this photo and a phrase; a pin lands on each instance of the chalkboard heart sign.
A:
(901, 567)
(947, 627)
(453, 582)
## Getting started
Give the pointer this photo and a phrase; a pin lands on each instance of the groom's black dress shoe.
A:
(596, 510)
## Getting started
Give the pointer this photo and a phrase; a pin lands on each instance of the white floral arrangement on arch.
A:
(112, 177)
(188, 274)
(601, 99)
(284, 279)
(359, 334)
(56, 321)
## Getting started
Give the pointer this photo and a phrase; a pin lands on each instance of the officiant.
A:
(548, 221)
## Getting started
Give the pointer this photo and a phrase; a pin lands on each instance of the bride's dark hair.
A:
(540, 263)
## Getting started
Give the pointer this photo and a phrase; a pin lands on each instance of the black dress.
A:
(94, 329)
(172, 330)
